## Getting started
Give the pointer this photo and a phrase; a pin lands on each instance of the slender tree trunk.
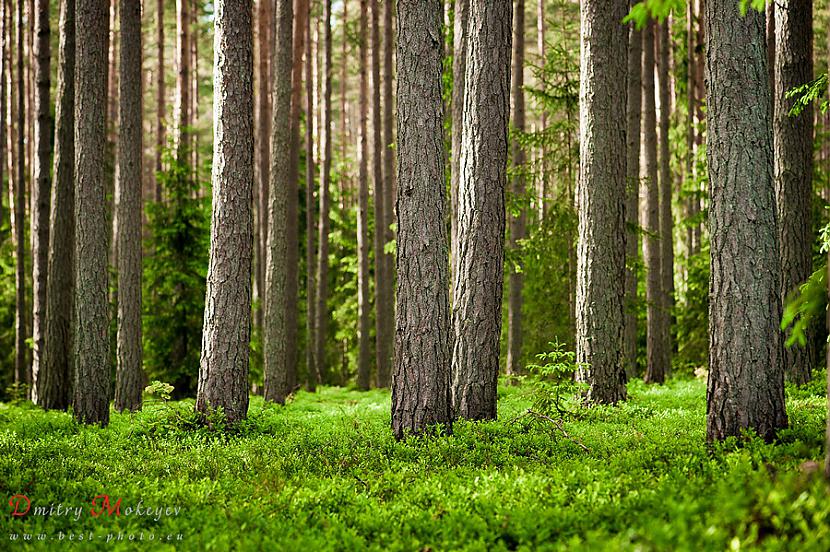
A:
(41, 189)
(793, 142)
(263, 145)
(363, 301)
(194, 90)
(278, 384)
(518, 222)
(478, 274)
(310, 223)
(387, 311)
(21, 366)
(632, 210)
(691, 99)
(344, 127)
(161, 108)
(54, 387)
(91, 351)
(3, 70)
(129, 377)
(601, 196)
(459, 59)
(543, 122)
(112, 86)
(181, 111)
(697, 227)
(321, 311)
(421, 383)
(746, 373)
(223, 369)
(666, 228)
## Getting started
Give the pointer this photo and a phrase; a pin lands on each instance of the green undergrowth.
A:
(324, 473)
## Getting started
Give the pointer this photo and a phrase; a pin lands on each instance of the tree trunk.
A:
(21, 367)
(223, 369)
(344, 81)
(181, 111)
(92, 351)
(383, 333)
(691, 99)
(275, 335)
(421, 383)
(601, 196)
(112, 87)
(263, 146)
(387, 310)
(478, 274)
(160, 97)
(310, 225)
(632, 203)
(666, 227)
(194, 90)
(129, 377)
(518, 222)
(321, 311)
(543, 122)
(54, 387)
(793, 142)
(363, 302)
(746, 373)
(461, 10)
(3, 70)
(41, 189)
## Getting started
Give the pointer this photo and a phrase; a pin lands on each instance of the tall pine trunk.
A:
(461, 10)
(666, 230)
(181, 110)
(3, 68)
(265, 25)
(632, 202)
(387, 311)
(21, 365)
(160, 95)
(310, 222)
(363, 302)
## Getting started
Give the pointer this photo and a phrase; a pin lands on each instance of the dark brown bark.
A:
(129, 376)
(666, 224)
(387, 310)
(421, 383)
(478, 273)
(181, 110)
(161, 109)
(691, 99)
(746, 373)
(601, 196)
(21, 366)
(112, 89)
(223, 370)
(518, 223)
(275, 336)
(263, 147)
(55, 385)
(92, 389)
(310, 220)
(41, 189)
(632, 202)
(363, 301)
(793, 150)
(461, 12)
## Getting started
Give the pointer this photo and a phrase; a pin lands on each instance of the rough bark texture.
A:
(92, 390)
(387, 310)
(793, 143)
(363, 301)
(601, 196)
(55, 384)
(421, 382)
(461, 12)
(223, 370)
(632, 202)
(275, 342)
(129, 375)
(160, 94)
(518, 223)
(478, 274)
(666, 228)
(41, 189)
(746, 375)
(21, 365)
(322, 269)
(181, 110)
(310, 221)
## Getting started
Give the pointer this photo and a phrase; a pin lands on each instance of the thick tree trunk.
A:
(666, 227)
(181, 110)
(363, 301)
(322, 269)
(632, 202)
(518, 223)
(461, 11)
(161, 109)
(478, 274)
(41, 190)
(92, 351)
(223, 369)
(310, 221)
(601, 196)
(421, 383)
(129, 376)
(275, 332)
(746, 373)
(55, 385)
(793, 142)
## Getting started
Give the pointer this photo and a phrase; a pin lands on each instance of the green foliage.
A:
(693, 315)
(7, 311)
(641, 12)
(808, 93)
(552, 380)
(325, 473)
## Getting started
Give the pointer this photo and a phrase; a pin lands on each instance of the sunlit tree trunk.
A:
(21, 366)
(363, 301)
(310, 220)
(160, 95)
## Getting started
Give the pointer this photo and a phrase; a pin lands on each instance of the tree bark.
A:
(263, 147)
(92, 352)
(387, 311)
(278, 384)
(41, 189)
(666, 225)
(181, 110)
(746, 373)
(3, 70)
(223, 369)
(54, 387)
(363, 301)
(421, 383)
(21, 366)
(691, 99)
(478, 274)
(160, 95)
(632, 202)
(461, 11)
(129, 377)
(793, 150)
(518, 223)
(310, 222)
(601, 196)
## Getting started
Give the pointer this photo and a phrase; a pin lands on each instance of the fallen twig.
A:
(559, 425)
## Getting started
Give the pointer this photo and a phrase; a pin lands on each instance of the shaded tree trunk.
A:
(21, 366)
(478, 274)
(461, 10)
(278, 382)
(160, 95)
(793, 150)
(363, 301)
(691, 99)
(129, 376)
(601, 196)
(746, 373)
(263, 147)
(666, 227)
(387, 311)
(632, 203)
(543, 122)
(54, 387)
(421, 383)
(3, 69)
(223, 368)
(181, 111)
(92, 388)
(310, 223)
(518, 223)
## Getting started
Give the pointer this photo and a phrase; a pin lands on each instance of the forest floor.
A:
(324, 473)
